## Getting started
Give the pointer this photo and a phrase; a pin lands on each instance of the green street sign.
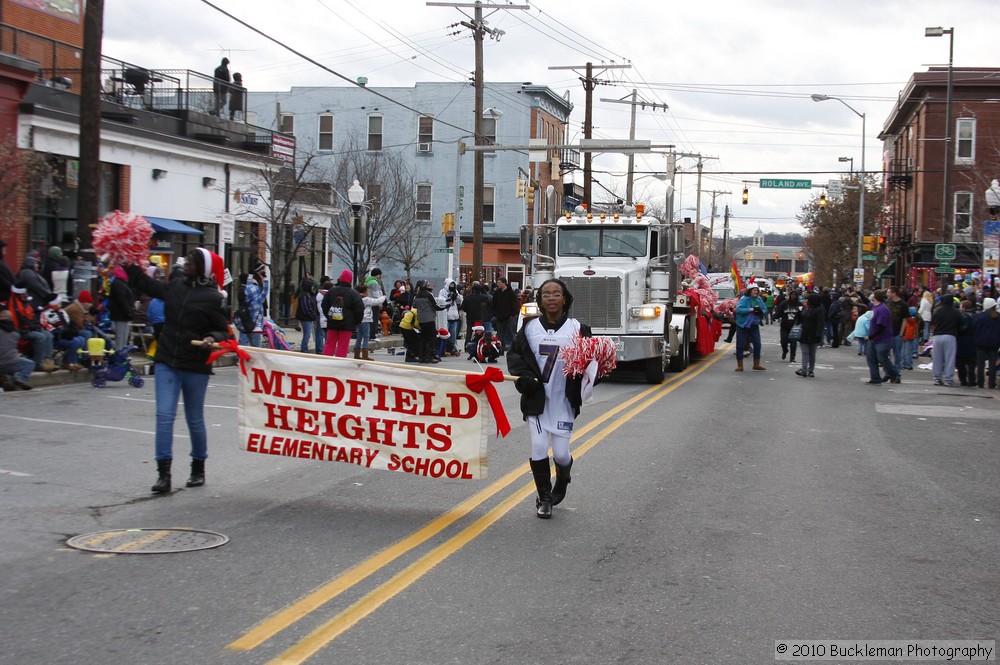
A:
(944, 271)
(944, 252)
(443, 250)
(868, 257)
(772, 183)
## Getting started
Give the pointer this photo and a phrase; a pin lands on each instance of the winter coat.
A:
(121, 300)
(451, 299)
(813, 320)
(426, 307)
(354, 308)
(986, 331)
(474, 306)
(193, 310)
(521, 362)
(505, 304)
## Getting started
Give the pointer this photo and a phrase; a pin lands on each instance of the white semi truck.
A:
(622, 270)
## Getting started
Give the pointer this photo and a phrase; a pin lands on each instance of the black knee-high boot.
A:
(543, 483)
(197, 478)
(562, 480)
(163, 480)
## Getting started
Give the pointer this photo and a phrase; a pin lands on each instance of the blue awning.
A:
(163, 225)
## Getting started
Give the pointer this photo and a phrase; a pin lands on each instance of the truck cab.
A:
(619, 268)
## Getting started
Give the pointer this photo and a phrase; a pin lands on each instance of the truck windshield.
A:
(596, 241)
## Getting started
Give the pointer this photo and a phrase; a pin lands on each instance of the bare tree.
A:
(392, 230)
(832, 232)
(283, 191)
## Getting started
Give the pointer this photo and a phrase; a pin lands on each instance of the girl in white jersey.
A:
(549, 400)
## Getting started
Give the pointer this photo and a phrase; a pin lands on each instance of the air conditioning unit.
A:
(423, 147)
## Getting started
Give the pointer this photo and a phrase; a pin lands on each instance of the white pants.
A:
(541, 441)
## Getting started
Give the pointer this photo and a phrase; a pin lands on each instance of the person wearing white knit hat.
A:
(194, 313)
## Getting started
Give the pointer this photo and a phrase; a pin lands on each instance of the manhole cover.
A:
(147, 541)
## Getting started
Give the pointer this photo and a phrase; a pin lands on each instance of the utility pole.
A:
(725, 237)
(711, 224)
(589, 82)
(631, 134)
(90, 123)
(478, 27)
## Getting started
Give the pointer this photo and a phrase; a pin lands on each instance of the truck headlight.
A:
(645, 312)
(529, 309)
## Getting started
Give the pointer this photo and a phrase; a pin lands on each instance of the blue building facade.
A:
(424, 125)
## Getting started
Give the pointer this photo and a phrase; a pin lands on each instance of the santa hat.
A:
(18, 288)
(214, 267)
(443, 333)
(478, 327)
(55, 300)
(84, 296)
(346, 276)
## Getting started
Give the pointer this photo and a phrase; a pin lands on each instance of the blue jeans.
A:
(22, 368)
(72, 348)
(453, 325)
(364, 335)
(506, 330)
(254, 339)
(170, 384)
(307, 331)
(880, 353)
(320, 333)
(897, 353)
(41, 346)
(746, 337)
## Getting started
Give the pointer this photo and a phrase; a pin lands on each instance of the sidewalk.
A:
(144, 365)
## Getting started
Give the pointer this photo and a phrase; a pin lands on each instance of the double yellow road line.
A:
(330, 630)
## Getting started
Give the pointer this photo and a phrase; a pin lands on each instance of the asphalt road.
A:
(707, 518)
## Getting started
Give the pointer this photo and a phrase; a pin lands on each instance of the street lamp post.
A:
(861, 173)
(356, 197)
(940, 32)
(847, 159)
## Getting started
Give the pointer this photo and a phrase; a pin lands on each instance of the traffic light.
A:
(881, 242)
(520, 188)
(868, 243)
(746, 196)
(447, 223)
(529, 196)
(822, 200)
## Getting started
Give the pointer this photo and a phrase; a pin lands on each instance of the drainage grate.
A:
(147, 541)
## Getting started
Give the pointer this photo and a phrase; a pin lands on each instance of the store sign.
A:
(227, 227)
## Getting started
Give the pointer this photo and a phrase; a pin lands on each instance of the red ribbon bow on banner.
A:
(231, 346)
(480, 382)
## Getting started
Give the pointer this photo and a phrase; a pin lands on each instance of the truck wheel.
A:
(680, 362)
(653, 370)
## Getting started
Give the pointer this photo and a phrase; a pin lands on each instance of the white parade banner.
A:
(370, 414)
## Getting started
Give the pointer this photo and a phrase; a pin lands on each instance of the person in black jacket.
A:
(550, 401)
(194, 313)
(343, 309)
(474, 305)
(505, 310)
(813, 320)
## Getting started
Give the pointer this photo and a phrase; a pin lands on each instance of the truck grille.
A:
(597, 301)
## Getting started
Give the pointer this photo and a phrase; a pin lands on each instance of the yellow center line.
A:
(329, 631)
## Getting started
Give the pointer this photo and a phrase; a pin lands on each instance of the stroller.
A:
(111, 365)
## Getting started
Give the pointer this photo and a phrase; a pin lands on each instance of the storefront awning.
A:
(888, 270)
(163, 225)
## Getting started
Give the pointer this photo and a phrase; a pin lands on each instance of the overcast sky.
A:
(737, 76)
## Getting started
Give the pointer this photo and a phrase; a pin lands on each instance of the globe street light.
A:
(940, 32)
(861, 173)
(356, 197)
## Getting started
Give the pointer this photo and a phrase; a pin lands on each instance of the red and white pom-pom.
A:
(123, 237)
(585, 350)
(726, 307)
(691, 266)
